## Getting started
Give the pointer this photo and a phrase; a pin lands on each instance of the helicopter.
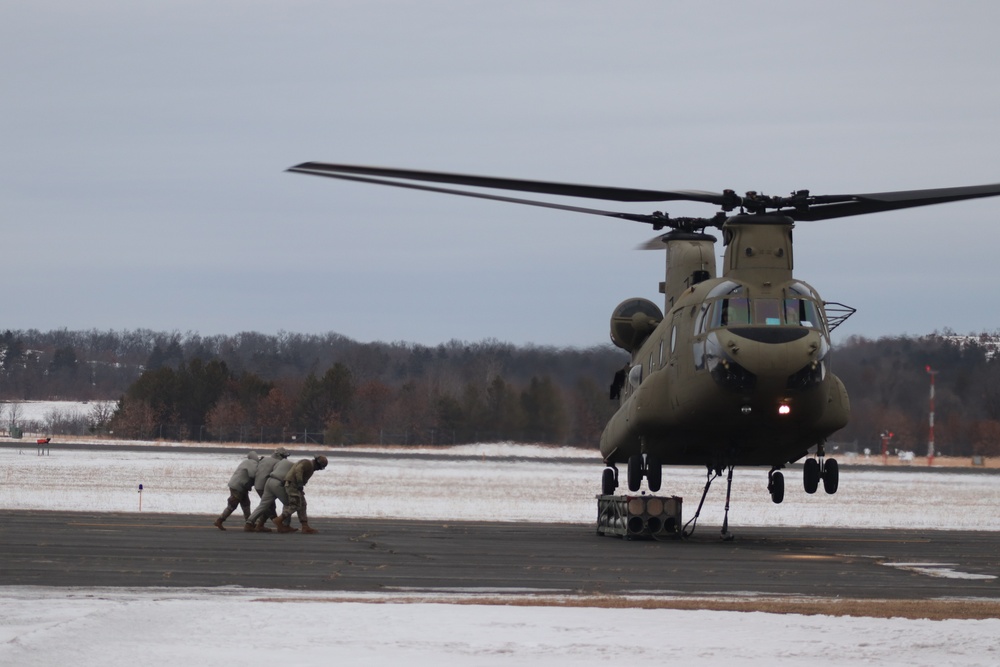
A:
(734, 370)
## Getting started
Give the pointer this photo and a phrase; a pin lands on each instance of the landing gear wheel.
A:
(654, 473)
(776, 486)
(810, 475)
(608, 482)
(634, 472)
(831, 476)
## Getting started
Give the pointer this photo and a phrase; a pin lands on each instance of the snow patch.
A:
(943, 570)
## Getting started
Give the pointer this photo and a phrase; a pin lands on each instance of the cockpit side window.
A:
(701, 320)
(802, 312)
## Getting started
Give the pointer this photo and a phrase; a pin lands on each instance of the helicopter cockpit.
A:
(781, 316)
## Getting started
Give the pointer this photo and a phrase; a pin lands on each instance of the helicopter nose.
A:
(777, 358)
(770, 335)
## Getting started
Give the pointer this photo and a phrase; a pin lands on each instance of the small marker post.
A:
(140, 497)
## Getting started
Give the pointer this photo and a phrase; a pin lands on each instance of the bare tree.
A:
(14, 412)
(100, 414)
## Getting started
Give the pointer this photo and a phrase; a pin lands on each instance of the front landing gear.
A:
(643, 465)
(831, 476)
(820, 468)
(810, 475)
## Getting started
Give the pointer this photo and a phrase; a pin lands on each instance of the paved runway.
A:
(141, 550)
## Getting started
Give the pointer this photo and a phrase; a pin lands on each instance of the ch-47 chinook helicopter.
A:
(737, 370)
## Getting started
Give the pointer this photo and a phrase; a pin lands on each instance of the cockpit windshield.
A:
(731, 312)
(734, 309)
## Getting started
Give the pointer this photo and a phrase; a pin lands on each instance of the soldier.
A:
(265, 467)
(239, 488)
(295, 482)
(274, 489)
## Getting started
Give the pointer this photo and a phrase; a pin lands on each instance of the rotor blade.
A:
(655, 243)
(541, 187)
(888, 201)
(637, 217)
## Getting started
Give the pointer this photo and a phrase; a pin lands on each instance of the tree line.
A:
(323, 388)
(889, 385)
(328, 388)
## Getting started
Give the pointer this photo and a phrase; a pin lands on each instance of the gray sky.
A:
(144, 145)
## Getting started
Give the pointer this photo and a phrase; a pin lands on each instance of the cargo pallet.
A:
(639, 517)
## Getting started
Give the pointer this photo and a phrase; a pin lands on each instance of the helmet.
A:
(320, 462)
(252, 455)
(280, 453)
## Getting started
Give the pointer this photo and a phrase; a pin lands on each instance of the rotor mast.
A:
(758, 247)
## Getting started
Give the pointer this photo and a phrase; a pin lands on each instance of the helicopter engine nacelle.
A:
(633, 321)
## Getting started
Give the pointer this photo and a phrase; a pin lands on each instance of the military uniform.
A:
(295, 482)
(239, 488)
(274, 489)
(265, 467)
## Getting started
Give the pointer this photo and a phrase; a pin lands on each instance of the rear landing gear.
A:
(776, 486)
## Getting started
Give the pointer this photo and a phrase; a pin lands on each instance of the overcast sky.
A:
(144, 145)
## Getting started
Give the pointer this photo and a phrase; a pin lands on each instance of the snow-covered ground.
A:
(40, 410)
(42, 626)
(32, 415)
(489, 486)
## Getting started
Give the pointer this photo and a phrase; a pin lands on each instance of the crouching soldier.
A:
(265, 467)
(295, 483)
(239, 488)
(274, 489)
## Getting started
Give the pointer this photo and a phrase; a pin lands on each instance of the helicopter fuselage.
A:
(737, 371)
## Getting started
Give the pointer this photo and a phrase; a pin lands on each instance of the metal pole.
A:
(930, 433)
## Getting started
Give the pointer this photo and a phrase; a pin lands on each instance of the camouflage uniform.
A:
(295, 482)
(239, 488)
(274, 489)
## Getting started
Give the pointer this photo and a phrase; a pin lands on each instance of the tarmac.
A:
(68, 549)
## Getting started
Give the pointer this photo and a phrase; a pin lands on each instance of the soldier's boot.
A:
(222, 517)
(261, 528)
(279, 521)
(307, 530)
(249, 527)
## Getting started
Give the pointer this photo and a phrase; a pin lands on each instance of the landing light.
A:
(783, 409)
(746, 409)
